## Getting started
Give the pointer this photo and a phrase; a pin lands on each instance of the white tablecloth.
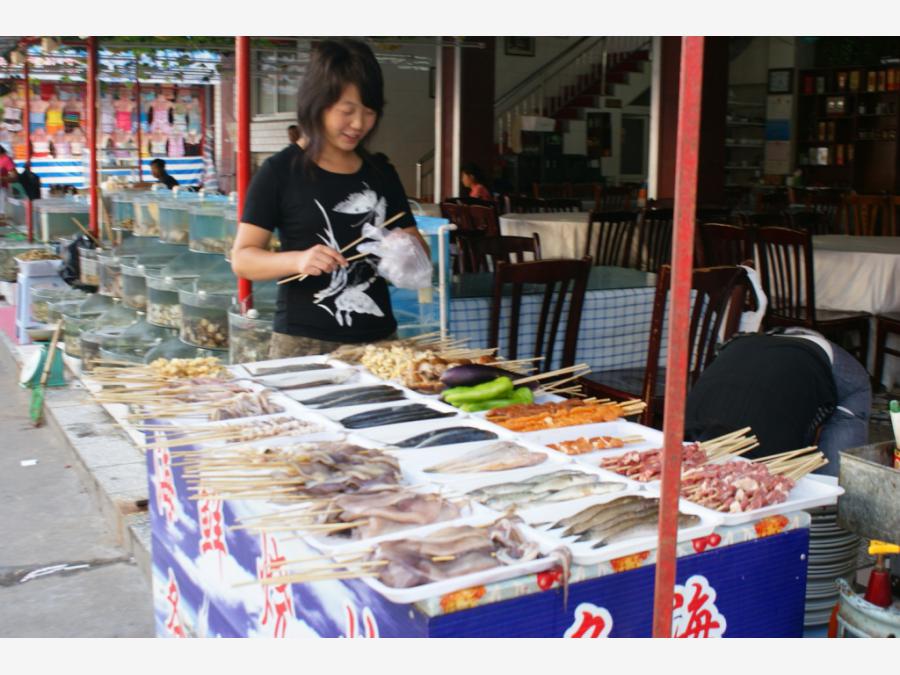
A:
(562, 234)
(860, 274)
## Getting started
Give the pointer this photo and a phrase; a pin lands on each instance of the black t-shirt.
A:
(168, 180)
(319, 207)
(781, 387)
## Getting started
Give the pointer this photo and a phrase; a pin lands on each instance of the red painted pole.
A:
(242, 49)
(29, 211)
(91, 109)
(140, 145)
(686, 159)
(202, 106)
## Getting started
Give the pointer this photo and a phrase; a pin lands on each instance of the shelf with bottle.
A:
(850, 80)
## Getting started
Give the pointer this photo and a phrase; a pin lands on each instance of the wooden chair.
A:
(484, 219)
(765, 219)
(615, 233)
(557, 277)
(562, 205)
(613, 198)
(788, 279)
(459, 216)
(726, 244)
(505, 249)
(467, 259)
(456, 214)
(714, 316)
(552, 190)
(893, 216)
(471, 201)
(654, 239)
(828, 202)
(866, 215)
(585, 191)
(515, 204)
(814, 222)
(885, 324)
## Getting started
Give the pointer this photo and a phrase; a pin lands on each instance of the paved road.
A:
(48, 519)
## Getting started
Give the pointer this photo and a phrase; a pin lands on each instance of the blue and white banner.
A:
(186, 170)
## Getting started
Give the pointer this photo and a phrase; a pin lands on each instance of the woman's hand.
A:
(319, 259)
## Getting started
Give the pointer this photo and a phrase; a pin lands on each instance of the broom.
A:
(37, 395)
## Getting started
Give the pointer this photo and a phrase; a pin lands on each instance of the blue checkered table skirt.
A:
(615, 327)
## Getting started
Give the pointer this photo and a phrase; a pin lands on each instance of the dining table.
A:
(860, 274)
(563, 235)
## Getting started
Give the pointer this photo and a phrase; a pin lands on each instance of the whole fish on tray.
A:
(550, 488)
(413, 412)
(500, 456)
(447, 436)
(379, 393)
(617, 520)
(281, 370)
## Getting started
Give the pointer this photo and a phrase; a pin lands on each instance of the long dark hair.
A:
(333, 65)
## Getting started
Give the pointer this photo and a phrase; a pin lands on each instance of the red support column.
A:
(140, 145)
(202, 107)
(29, 211)
(687, 154)
(242, 74)
(91, 109)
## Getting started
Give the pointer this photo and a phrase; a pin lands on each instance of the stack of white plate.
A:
(832, 554)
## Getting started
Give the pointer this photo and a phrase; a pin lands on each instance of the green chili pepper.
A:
(520, 395)
(498, 388)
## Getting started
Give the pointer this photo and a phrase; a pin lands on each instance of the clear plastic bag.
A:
(402, 262)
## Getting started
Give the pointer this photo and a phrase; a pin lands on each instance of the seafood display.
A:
(413, 412)
(265, 371)
(209, 332)
(582, 445)
(500, 456)
(540, 416)
(447, 436)
(297, 472)
(614, 521)
(362, 515)
(452, 552)
(178, 368)
(548, 488)
(378, 393)
(35, 254)
(647, 465)
(246, 405)
(232, 433)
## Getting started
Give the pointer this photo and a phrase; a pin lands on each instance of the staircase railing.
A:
(558, 79)
(423, 172)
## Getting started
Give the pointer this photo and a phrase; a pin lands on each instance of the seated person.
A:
(787, 385)
(471, 177)
(158, 168)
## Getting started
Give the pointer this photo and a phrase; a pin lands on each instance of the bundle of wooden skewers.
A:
(117, 373)
(162, 436)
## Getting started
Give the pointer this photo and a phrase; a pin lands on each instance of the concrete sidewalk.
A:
(72, 539)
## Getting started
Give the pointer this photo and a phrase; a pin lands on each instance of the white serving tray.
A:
(653, 438)
(244, 369)
(439, 588)
(808, 493)
(415, 463)
(584, 554)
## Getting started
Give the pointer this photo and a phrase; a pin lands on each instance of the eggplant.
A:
(473, 374)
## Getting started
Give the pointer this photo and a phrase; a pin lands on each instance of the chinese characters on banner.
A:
(212, 536)
(695, 615)
(279, 604)
(369, 629)
(173, 597)
(164, 484)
